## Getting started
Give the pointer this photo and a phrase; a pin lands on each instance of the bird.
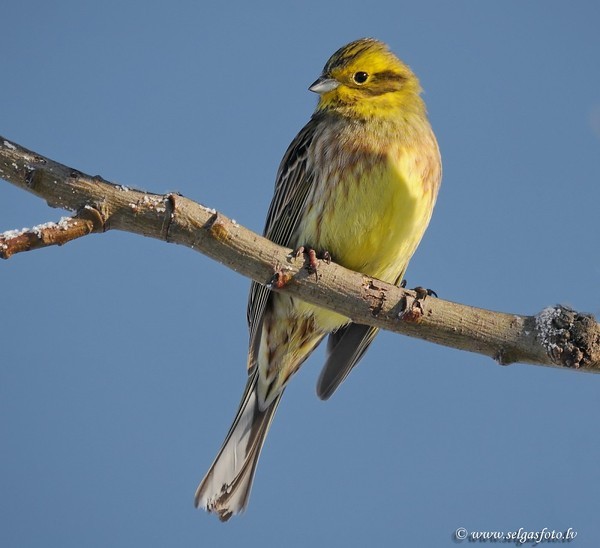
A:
(358, 185)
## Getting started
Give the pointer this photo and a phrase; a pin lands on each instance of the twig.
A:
(47, 234)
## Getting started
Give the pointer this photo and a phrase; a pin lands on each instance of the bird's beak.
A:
(324, 84)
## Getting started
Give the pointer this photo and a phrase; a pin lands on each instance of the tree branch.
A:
(557, 336)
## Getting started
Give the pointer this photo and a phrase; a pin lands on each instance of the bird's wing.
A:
(345, 347)
(293, 182)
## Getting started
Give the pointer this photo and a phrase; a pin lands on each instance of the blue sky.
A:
(123, 358)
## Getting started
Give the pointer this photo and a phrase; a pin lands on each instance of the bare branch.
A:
(557, 336)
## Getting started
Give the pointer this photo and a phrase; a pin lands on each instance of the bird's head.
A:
(366, 78)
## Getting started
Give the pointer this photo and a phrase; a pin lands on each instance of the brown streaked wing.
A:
(292, 184)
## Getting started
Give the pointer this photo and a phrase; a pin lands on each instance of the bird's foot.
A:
(423, 292)
(412, 310)
(313, 258)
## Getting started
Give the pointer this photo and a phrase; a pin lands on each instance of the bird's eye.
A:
(360, 77)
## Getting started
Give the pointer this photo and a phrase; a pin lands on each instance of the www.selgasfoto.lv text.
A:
(519, 537)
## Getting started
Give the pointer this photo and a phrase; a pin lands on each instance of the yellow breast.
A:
(372, 217)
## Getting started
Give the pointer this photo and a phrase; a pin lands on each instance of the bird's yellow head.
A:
(364, 78)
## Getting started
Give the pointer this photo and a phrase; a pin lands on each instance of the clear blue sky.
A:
(123, 358)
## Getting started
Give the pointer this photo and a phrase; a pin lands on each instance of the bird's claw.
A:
(313, 258)
(423, 292)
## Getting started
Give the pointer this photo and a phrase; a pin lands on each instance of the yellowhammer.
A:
(358, 182)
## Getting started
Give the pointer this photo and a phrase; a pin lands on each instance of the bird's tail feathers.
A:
(226, 487)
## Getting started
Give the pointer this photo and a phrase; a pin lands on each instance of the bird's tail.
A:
(226, 487)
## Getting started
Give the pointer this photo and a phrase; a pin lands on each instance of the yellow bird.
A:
(359, 182)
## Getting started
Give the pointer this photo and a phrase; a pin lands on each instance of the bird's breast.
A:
(370, 210)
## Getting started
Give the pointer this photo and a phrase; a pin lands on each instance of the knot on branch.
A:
(374, 294)
(93, 216)
(571, 339)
